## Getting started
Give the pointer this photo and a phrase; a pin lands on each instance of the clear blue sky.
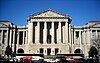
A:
(81, 11)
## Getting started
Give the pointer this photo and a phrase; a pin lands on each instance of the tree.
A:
(96, 42)
(93, 52)
(8, 51)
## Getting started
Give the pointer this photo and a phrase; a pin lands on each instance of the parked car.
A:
(91, 60)
(78, 59)
(25, 60)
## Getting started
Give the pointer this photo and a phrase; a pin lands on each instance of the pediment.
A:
(3, 25)
(49, 13)
(95, 25)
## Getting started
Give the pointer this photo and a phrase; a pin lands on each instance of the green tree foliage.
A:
(8, 51)
(93, 52)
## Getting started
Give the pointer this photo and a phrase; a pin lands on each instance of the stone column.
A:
(84, 43)
(7, 37)
(45, 33)
(59, 28)
(1, 36)
(23, 37)
(17, 39)
(10, 37)
(30, 32)
(96, 34)
(66, 33)
(63, 31)
(37, 33)
(26, 37)
(80, 39)
(13, 36)
(13, 39)
(52, 32)
(88, 36)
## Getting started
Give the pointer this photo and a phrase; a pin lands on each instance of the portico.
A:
(48, 29)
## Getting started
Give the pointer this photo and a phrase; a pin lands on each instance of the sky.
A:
(81, 11)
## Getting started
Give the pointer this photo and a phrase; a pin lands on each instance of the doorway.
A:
(48, 51)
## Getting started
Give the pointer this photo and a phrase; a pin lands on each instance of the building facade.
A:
(49, 32)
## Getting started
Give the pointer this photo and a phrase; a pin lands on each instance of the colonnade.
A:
(48, 32)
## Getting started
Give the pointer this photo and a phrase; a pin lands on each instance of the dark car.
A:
(25, 60)
(79, 60)
(90, 60)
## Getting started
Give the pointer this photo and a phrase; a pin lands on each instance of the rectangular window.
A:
(48, 51)
(4, 36)
(56, 50)
(93, 33)
(21, 37)
(77, 34)
(98, 32)
(41, 50)
(0, 36)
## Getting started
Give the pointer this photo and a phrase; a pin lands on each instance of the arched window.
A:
(78, 51)
(20, 51)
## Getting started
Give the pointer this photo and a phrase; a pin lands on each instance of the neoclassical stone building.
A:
(49, 32)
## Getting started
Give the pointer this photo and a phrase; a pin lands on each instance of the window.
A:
(48, 51)
(93, 33)
(49, 39)
(21, 37)
(0, 36)
(41, 50)
(77, 34)
(56, 50)
(4, 36)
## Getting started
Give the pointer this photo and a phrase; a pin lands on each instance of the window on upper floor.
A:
(98, 32)
(93, 33)
(77, 34)
(21, 37)
(0, 36)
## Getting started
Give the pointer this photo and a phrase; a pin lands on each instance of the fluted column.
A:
(52, 32)
(45, 33)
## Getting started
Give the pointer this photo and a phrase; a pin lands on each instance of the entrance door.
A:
(48, 51)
